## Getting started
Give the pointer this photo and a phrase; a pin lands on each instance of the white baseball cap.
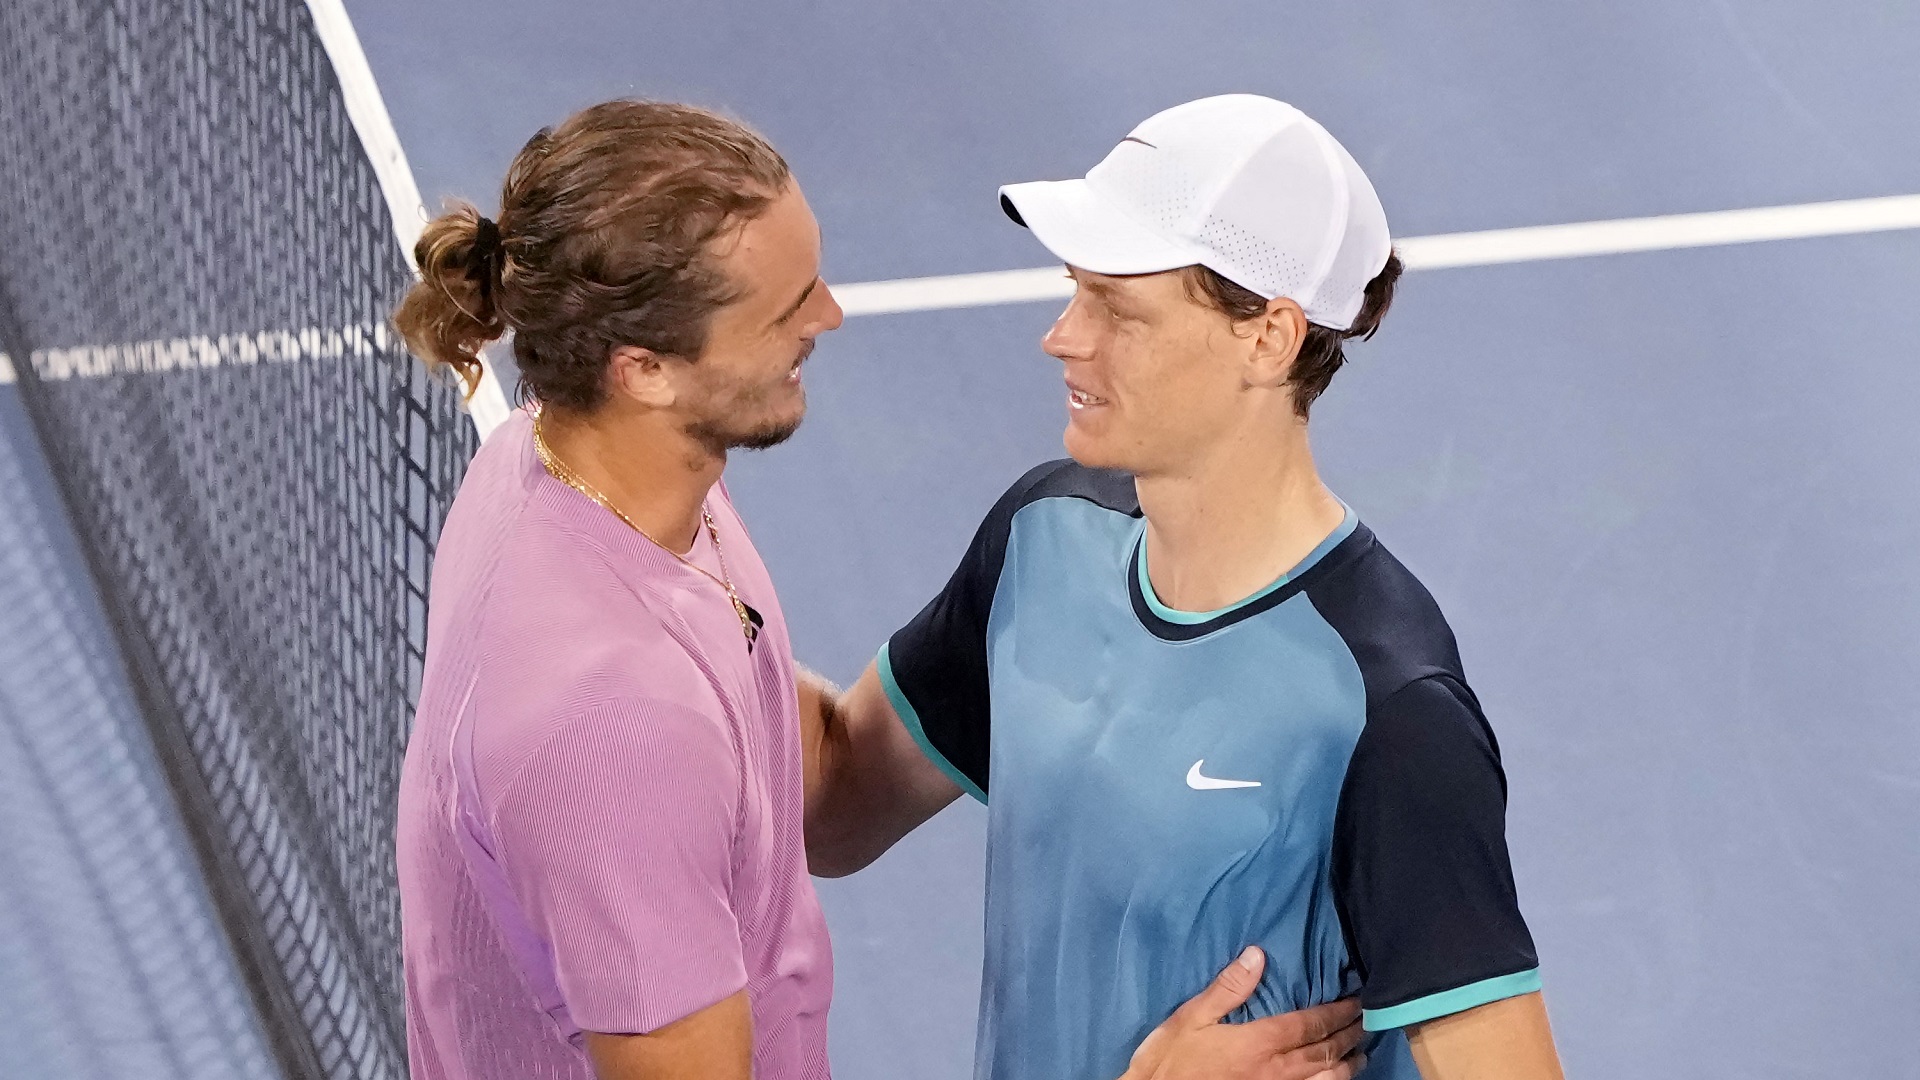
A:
(1249, 187)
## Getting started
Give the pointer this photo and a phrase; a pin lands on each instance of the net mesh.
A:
(83, 812)
(195, 267)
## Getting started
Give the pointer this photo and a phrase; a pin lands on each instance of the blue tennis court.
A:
(1666, 497)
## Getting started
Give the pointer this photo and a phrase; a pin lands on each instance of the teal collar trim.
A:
(1194, 618)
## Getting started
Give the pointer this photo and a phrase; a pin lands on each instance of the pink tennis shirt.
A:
(600, 813)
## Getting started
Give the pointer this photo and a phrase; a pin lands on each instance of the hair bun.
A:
(451, 313)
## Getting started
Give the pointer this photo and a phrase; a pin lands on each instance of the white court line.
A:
(1494, 247)
(489, 406)
(1530, 244)
(368, 111)
(202, 351)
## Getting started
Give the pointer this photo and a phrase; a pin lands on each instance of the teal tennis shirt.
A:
(1306, 771)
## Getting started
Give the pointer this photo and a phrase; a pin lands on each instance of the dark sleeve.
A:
(934, 668)
(1420, 870)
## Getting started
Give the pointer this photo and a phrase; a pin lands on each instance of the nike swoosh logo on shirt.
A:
(1207, 783)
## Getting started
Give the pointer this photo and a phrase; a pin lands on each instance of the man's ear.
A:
(1278, 335)
(640, 375)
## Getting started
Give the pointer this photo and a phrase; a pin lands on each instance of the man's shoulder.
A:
(1066, 478)
(559, 631)
(1388, 619)
(566, 626)
(1049, 484)
(637, 733)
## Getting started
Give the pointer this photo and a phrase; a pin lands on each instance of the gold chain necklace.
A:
(749, 618)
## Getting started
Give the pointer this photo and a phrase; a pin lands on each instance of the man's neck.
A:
(642, 462)
(1232, 521)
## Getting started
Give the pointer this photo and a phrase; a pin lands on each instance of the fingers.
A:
(1344, 1043)
(1229, 990)
(1336, 1057)
(1348, 1068)
(1291, 1031)
(1322, 1021)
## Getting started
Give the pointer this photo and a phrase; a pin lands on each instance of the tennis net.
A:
(196, 264)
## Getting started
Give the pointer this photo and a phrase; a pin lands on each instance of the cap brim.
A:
(1083, 229)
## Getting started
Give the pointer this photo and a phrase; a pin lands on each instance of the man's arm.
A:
(1425, 888)
(1504, 1040)
(868, 783)
(615, 836)
(715, 1043)
(916, 729)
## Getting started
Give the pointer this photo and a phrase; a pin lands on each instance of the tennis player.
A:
(1208, 705)
(602, 870)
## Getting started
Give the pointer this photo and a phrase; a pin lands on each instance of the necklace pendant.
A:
(749, 621)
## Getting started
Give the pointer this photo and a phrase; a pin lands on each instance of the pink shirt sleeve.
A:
(617, 835)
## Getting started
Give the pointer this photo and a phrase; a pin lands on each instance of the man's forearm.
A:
(715, 1043)
(867, 783)
(1504, 1040)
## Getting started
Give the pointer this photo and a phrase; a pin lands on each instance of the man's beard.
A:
(765, 436)
(718, 436)
(722, 432)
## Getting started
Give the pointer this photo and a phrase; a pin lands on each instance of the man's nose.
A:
(833, 316)
(1066, 339)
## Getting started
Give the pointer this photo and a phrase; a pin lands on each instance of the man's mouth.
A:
(1080, 399)
(793, 373)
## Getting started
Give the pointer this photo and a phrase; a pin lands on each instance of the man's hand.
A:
(1312, 1044)
(820, 732)
(867, 782)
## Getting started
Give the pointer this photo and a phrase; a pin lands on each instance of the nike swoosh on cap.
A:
(1207, 783)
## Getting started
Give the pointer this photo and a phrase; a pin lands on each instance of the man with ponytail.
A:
(602, 869)
(1209, 707)
(601, 866)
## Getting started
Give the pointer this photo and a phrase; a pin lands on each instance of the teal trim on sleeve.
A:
(912, 719)
(1448, 1002)
(1195, 618)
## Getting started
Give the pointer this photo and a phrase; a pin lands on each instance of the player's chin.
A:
(1093, 449)
(773, 429)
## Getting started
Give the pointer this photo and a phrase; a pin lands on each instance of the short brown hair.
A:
(603, 237)
(1321, 354)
